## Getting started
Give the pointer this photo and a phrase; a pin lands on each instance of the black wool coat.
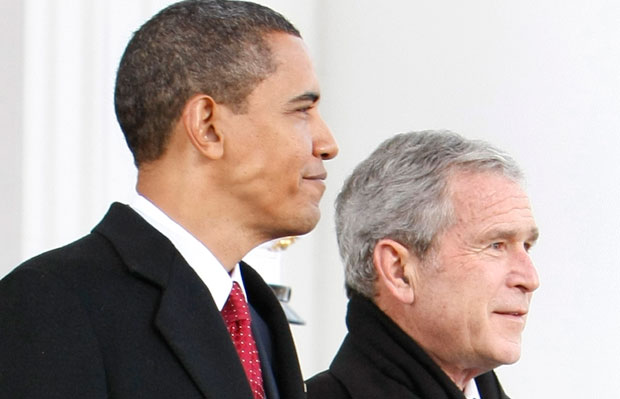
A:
(379, 360)
(120, 314)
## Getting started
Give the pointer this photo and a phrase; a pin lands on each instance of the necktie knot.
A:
(236, 307)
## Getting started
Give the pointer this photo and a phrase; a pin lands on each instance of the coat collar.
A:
(187, 317)
(377, 349)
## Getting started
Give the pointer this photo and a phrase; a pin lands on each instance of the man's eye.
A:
(497, 245)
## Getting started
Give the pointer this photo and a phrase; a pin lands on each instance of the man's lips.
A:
(514, 313)
(316, 176)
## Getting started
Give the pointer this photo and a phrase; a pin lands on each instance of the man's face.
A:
(276, 149)
(474, 292)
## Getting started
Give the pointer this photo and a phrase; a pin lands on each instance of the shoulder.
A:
(85, 273)
(326, 386)
(57, 278)
(92, 258)
(89, 258)
(43, 316)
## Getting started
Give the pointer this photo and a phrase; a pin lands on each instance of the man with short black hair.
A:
(435, 232)
(218, 103)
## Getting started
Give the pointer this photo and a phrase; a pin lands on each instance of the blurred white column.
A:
(11, 104)
(75, 161)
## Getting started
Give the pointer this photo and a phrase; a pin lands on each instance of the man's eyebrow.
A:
(307, 96)
(511, 233)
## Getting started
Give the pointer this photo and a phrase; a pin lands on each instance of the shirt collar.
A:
(471, 390)
(196, 254)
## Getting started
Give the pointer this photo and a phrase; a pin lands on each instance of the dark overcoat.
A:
(120, 314)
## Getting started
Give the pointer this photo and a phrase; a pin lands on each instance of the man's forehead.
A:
(294, 76)
(484, 186)
(484, 195)
(289, 53)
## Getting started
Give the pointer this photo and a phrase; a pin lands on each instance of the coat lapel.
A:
(191, 323)
(285, 364)
(187, 318)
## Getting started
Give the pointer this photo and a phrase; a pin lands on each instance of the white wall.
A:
(539, 79)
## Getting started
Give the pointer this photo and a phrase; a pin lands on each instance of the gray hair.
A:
(400, 192)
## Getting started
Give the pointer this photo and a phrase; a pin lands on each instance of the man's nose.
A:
(324, 144)
(524, 273)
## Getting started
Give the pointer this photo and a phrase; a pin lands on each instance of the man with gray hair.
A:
(434, 231)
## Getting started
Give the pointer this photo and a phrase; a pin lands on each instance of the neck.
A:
(461, 377)
(207, 216)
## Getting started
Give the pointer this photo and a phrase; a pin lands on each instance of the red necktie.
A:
(237, 317)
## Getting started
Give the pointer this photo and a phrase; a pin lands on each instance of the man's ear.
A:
(199, 120)
(395, 267)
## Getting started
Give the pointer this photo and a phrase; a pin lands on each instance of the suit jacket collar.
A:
(187, 317)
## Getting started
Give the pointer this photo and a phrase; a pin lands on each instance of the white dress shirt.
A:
(471, 390)
(205, 264)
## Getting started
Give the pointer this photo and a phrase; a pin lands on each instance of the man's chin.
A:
(509, 354)
(307, 225)
(301, 223)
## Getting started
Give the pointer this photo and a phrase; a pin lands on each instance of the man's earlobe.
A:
(199, 120)
(394, 265)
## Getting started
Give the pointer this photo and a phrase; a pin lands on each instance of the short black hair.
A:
(215, 47)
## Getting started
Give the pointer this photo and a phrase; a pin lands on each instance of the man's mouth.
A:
(318, 176)
(513, 313)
